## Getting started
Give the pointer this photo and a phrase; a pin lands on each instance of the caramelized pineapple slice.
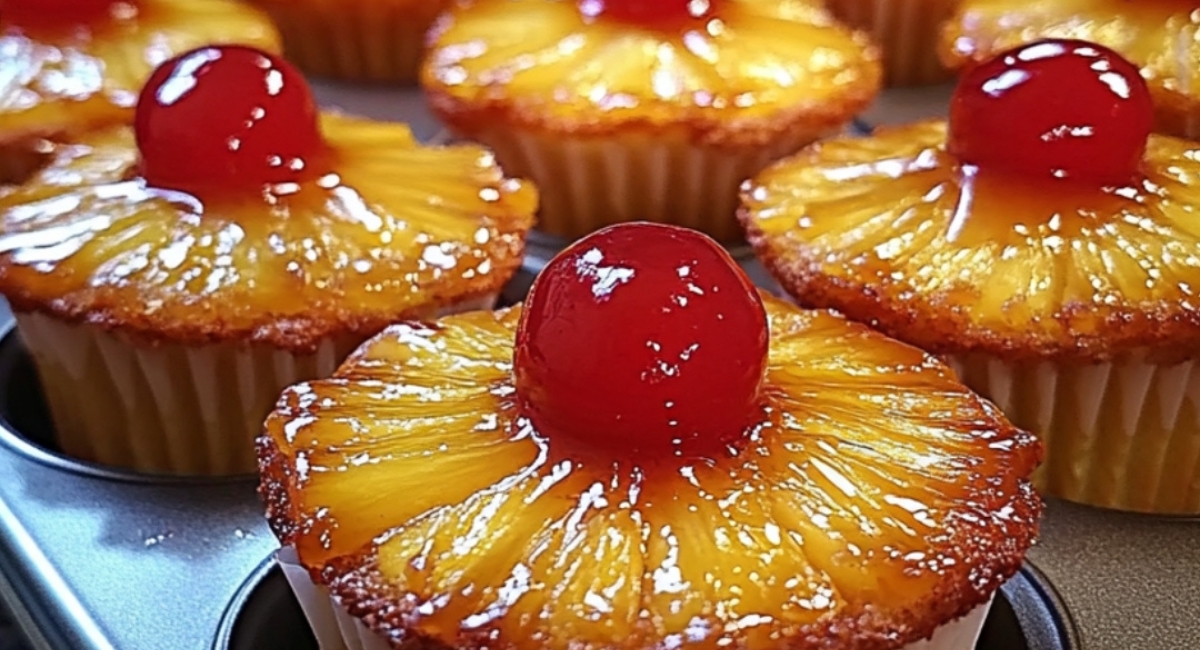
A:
(76, 79)
(1162, 38)
(398, 230)
(880, 499)
(761, 67)
(887, 230)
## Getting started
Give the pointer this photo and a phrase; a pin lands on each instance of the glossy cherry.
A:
(642, 339)
(227, 118)
(52, 13)
(1056, 109)
(655, 14)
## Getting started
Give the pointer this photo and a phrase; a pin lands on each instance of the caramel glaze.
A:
(395, 230)
(1159, 36)
(761, 68)
(60, 79)
(891, 231)
(876, 499)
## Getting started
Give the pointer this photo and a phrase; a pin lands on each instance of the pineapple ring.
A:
(887, 230)
(1162, 38)
(881, 500)
(761, 69)
(398, 230)
(89, 78)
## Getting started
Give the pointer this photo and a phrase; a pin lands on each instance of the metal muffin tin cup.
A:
(93, 558)
(265, 614)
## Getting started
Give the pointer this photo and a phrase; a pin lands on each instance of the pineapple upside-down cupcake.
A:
(907, 33)
(70, 65)
(361, 40)
(630, 109)
(1043, 241)
(1161, 37)
(648, 454)
(170, 279)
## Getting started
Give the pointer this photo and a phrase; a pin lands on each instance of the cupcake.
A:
(360, 40)
(629, 110)
(1042, 241)
(907, 32)
(171, 278)
(1161, 38)
(71, 65)
(647, 454)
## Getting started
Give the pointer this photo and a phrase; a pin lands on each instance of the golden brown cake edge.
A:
(365, 593)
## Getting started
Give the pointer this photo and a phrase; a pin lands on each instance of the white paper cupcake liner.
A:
(1122, 435)
(336, 629)
(586, 183)
(167, 408)
(353, 41)
(907, 31)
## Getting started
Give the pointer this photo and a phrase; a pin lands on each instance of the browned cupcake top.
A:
(398, 230)
(1160, 36)
(877, 500)
(753, 70)
(889, 231)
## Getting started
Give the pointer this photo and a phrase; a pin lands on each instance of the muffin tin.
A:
(93, 558)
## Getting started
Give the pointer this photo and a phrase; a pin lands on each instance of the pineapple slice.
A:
(399, 230)
(880, 499)
(56, 81)
(1162, 37)
(762, 68)
(888, 230)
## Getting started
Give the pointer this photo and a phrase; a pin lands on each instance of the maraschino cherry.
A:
(227, 117)
(642, 339)
(50, 13)
(655, 14)
(1054, 108)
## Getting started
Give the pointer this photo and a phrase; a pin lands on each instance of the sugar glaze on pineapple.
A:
(867, 499)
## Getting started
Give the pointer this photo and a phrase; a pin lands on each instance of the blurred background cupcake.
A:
(627, 109)
(69, 66)
(1043, 241)
(355, 40)
(1161, 38)
(907, 34)
(171, 278)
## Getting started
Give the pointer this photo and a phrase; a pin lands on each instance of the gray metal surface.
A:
(92, 560)
(265, 614)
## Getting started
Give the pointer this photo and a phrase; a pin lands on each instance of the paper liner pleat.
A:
(1123, 434)
(587, 183)
(169, 408)
(353, 41)
(907, 31)
(335, 629)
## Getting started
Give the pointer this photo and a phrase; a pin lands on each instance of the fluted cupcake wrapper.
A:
(352, 41)
(1123, 435)
(907, 31)
(168, 408)
(587, 183)
(335, 629)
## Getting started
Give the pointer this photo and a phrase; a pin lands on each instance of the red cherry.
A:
(1054, 108)
(227, 117)
(642, 338)
(652, 13)
(49, 13)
